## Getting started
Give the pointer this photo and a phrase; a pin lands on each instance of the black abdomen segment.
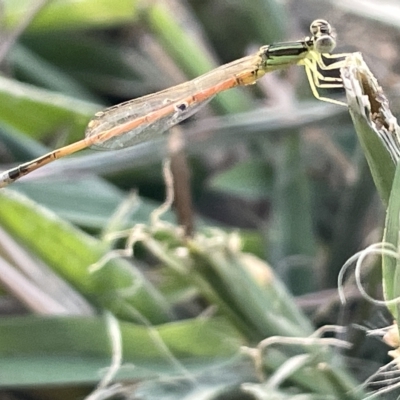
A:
(286, 53)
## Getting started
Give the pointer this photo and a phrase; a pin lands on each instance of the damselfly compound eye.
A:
(320, 27)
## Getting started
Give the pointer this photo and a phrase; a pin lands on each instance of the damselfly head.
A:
(322, 35)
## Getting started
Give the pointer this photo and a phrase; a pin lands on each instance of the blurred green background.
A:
(268, 166)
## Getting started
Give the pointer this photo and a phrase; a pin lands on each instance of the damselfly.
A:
(145, 118)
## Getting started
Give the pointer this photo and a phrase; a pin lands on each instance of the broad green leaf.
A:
(44, 112)
(70, 252)
(373, 122)
(71, 14)
(391, 265)
(88, 201)
(37, 351)
(380, 163)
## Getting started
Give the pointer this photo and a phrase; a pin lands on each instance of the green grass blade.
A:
(37, 351)
(70, 252)
(70, 14)
(372, 121)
